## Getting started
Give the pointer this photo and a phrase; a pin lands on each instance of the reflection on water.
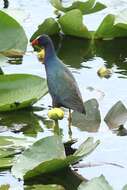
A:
(114, 53)
(22, 121)
(73, 51)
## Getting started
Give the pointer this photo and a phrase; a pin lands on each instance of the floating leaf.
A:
(72, 24)
(4, 153)
(116, 116)
(67, 178)
(13, 142)
(9, 147)
(48, 155)
(44, 187)
(85, 7)
(13, 40)
(6, 162)
(97, 183)
(46, 149)
(49, 26)
(91, 121)
(20, 90)
(112, 27)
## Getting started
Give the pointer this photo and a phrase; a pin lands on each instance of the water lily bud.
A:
(56, 114)
(41, 54)
(104, 72)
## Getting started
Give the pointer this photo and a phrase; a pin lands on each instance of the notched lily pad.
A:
(91, 121)
(97, 183)
(48, 155)
(72, 24)
(20, 90)
(113, 26)
(87, 7)
(11, 34)
(49, 26)
(116, 116)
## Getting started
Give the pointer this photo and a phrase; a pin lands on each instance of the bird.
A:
(62, 85)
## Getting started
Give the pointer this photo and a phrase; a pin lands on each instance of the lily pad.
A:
(97, 183)
(9, 147)
(113, 26)
(13, 40)
(20, 90)
(116, 116)
(86, 7)
(91, 121)
(44, 187)
(49, 26)
(48, 155)
(72, 24)
(6, 163)
(7, 142)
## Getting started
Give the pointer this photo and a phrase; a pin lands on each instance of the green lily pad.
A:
(6, 163)
(49, 26)
(97, 183)
(20, 90)
(4, 153)
(116, 116)
(7, 142)
(48, 155)
(91, 121)
(44, 187)
(113, 26)
(9, 147)
(13, 40)
(86, 7)
(72, 24)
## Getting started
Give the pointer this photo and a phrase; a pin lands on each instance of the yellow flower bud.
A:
(104, 72)
(56, 114)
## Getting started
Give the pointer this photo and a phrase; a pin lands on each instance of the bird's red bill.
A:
(35, 42)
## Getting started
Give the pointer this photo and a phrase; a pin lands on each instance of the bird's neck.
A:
(49, 53)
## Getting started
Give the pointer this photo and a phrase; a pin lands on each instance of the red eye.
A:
(35, 42)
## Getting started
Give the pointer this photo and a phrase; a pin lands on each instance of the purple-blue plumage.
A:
(61, 83)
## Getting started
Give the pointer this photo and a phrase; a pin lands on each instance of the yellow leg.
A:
(69, 124)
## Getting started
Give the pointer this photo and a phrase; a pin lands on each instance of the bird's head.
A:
(41, 41)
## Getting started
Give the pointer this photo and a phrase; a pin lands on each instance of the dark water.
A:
(84, 58)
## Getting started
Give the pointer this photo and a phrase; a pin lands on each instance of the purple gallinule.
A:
(61, 83)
